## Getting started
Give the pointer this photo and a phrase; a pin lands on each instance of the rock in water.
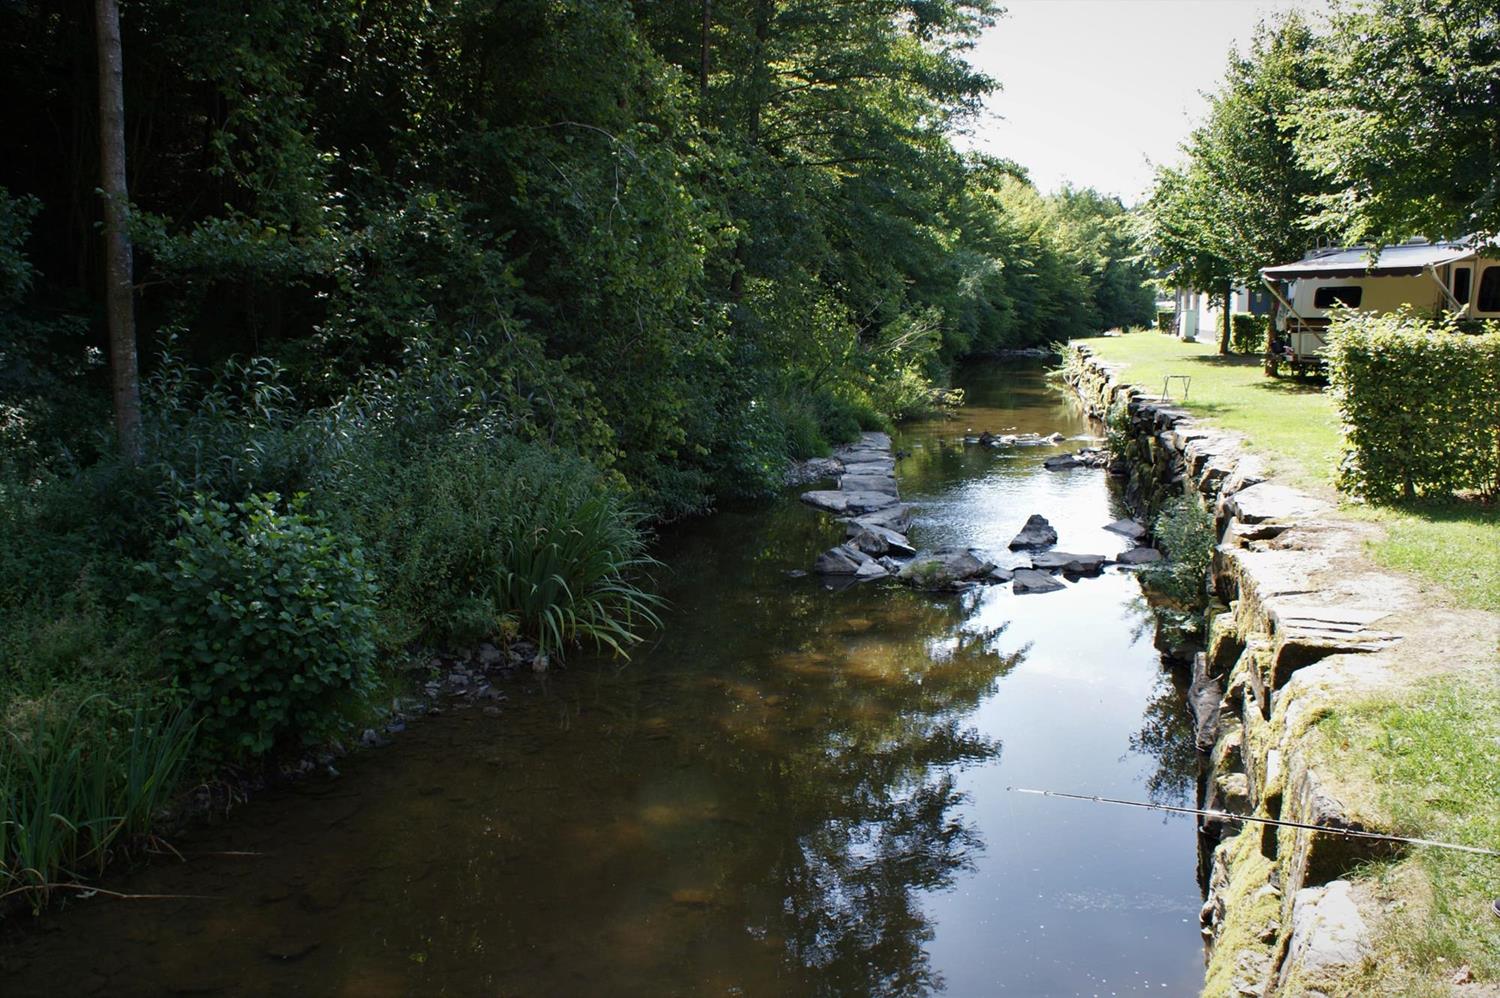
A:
(841, 560)
(1063, 561)
(1036, 534)
(877, 540)
(935, 569)
(1139, 556)
(1029, 580)
(1133, 529)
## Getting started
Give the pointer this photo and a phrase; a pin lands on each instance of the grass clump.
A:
(79, 785)
(1431, 758)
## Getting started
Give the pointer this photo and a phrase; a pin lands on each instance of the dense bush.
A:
(1166, 321)
(1417, 399)
(266, 621)
(1248, 332)
(1184, 530)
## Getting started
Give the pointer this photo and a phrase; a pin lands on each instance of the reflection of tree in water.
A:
(1167, 736)
(858, 783)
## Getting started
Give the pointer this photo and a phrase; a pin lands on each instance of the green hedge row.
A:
(1247, 333)
(1420, 406)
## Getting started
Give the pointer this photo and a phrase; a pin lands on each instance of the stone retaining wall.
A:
(1300, 614)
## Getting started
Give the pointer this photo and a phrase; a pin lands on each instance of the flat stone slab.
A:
(841, 560)
(862, 468)
(1139, 556)
(1133, 529)
(869, 483)
(1037, 533)
(1029, 580)
(1064, 561)
(1266, 501)
(897, 518)
(857, 503)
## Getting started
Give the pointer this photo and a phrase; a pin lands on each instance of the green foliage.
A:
(265, 619)
(1248, 332)
(1403, 132)
(1417, 402)
(1166, 321)
(471, 531)
(79, 784)
(1184, 530)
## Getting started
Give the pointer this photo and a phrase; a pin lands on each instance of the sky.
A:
(1094, 92)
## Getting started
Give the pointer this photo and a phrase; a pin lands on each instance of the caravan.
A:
(1454, 278)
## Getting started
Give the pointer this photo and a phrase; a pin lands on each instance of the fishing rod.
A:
(1226, 816)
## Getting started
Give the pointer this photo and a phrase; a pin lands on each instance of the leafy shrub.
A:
(1166, 321)
(1417, 399)
(1184, 530)
(266, 620)
(77, 784)
(1247, 333)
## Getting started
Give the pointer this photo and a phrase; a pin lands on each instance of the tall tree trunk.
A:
(1225, 324)
(708, 14)
(1269, 360)
(119, 280)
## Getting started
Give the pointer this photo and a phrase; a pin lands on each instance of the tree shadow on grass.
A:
(1469, 510)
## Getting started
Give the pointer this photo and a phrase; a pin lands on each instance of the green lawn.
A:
(1292, 424)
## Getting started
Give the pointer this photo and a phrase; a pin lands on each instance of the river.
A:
(790, 791)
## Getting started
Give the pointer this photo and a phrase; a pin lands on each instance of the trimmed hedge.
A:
(1420, 406)
(1247, 333)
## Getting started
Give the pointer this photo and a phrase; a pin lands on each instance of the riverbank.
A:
(1327, 673)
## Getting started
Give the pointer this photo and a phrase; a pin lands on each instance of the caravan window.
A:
(1462, 280)
(1489, 290)
(1348, 295)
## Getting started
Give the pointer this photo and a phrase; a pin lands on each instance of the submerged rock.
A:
(1036, 534)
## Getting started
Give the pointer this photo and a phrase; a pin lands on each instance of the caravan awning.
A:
(1406, 260)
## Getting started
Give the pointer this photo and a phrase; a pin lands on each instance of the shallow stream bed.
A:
(790, 791)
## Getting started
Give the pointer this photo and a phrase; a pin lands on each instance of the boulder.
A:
(1139, 556)
(1029, 580)
(877, 540)
(1063, 561)
(1061, 462)
(1132, 529)
(934, 569)
(870, 571)
(841, 560)
(1036, 534)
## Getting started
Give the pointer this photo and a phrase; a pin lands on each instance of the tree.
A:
(119, 285)
(1184, 234)
(1406, 129)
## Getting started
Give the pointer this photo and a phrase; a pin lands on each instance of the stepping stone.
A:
(869, 483)
(1029, 580)
(1139, 556)
(1062, 561)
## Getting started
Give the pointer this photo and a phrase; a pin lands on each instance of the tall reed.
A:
(75, 788)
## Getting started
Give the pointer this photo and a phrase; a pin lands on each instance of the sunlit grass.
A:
(1431, 761)
(1292, 425)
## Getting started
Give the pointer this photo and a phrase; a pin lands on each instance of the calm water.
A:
(792, 791)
